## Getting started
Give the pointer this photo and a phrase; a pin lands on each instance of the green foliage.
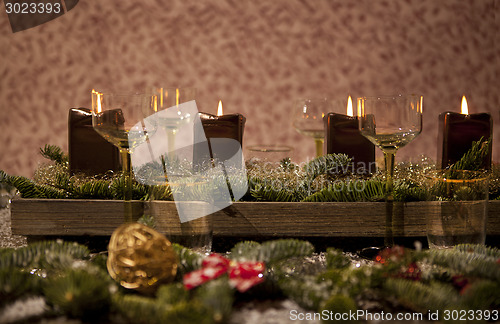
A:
(76, 285)
(306, 291)
(29, 189)
(218, 296)
(93, 189)
(79, 293)
(188, 260)
(15, 283)
(139, 309)
(339, 304)
(270, 251)
(330, 164)
(335, 259)
(474, 159)
(263, 192)
(488, 290)
(44, 254)
(326, 178)
(54, 153)
(421, 297)
(478, 250)
(407, 190)
(461, 260)
(350, 191)
(172, 293)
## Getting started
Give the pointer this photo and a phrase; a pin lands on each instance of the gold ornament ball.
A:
(140, 258)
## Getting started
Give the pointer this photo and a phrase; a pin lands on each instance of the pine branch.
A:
(270, 193)
(306, 291)
(139, 309)
(54, 153)
(80, 293)
(172, 293)
(93, 189)
(407, 190)
(330, 164)
(479, 249)
(271, 251)
(465, 262)
(15, 283)
(245, 251)
(474, 159)
(52, 254)
(421, 297)
(188, 260)
(217, 296)
(482, 294)
(350, 191)
(335, 259)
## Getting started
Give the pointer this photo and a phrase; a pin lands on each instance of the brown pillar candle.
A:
(89, 152)
(220, 126)
(458, 131)
(343, 136)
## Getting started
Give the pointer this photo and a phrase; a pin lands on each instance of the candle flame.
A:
(161, 98)
(350, 112)
(361, 107)
(177, 97)
(465, 108)
(219, 109)
(155, 103)
(98, 101)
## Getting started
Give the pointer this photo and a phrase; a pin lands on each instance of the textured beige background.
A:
(257, 56)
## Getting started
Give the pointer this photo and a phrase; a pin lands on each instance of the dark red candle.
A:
(89, 152)
(458, 131)
(220, 126)
(343, 136)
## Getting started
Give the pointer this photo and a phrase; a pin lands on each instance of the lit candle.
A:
(221, 126)
(343, 136)
(458, 131)
(89, 152)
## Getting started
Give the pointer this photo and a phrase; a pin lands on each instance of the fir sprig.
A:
(42, 254)
(422, 297)
(270, 251)
(350, 191)
(466, 262)
(54, 153)
(474, 159)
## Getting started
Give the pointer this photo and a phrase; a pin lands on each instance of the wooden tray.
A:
(39, 217)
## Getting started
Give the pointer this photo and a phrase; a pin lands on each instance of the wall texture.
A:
(257, 56)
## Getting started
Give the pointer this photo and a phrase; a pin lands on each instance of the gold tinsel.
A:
(140, 258)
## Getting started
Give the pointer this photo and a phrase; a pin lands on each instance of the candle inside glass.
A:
(458, 131)
(343, 136)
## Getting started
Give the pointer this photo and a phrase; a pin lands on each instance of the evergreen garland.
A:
(75, 285)
(325, 178)
(350, 191)
(421, 297)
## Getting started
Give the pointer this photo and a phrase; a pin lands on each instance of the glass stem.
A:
(127, 181)
(319, 146)
(389, 171)
(389, 198)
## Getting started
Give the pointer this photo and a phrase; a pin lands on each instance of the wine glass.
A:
(172, 114)
(308, 120)
(390, 122)
(120, 118)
